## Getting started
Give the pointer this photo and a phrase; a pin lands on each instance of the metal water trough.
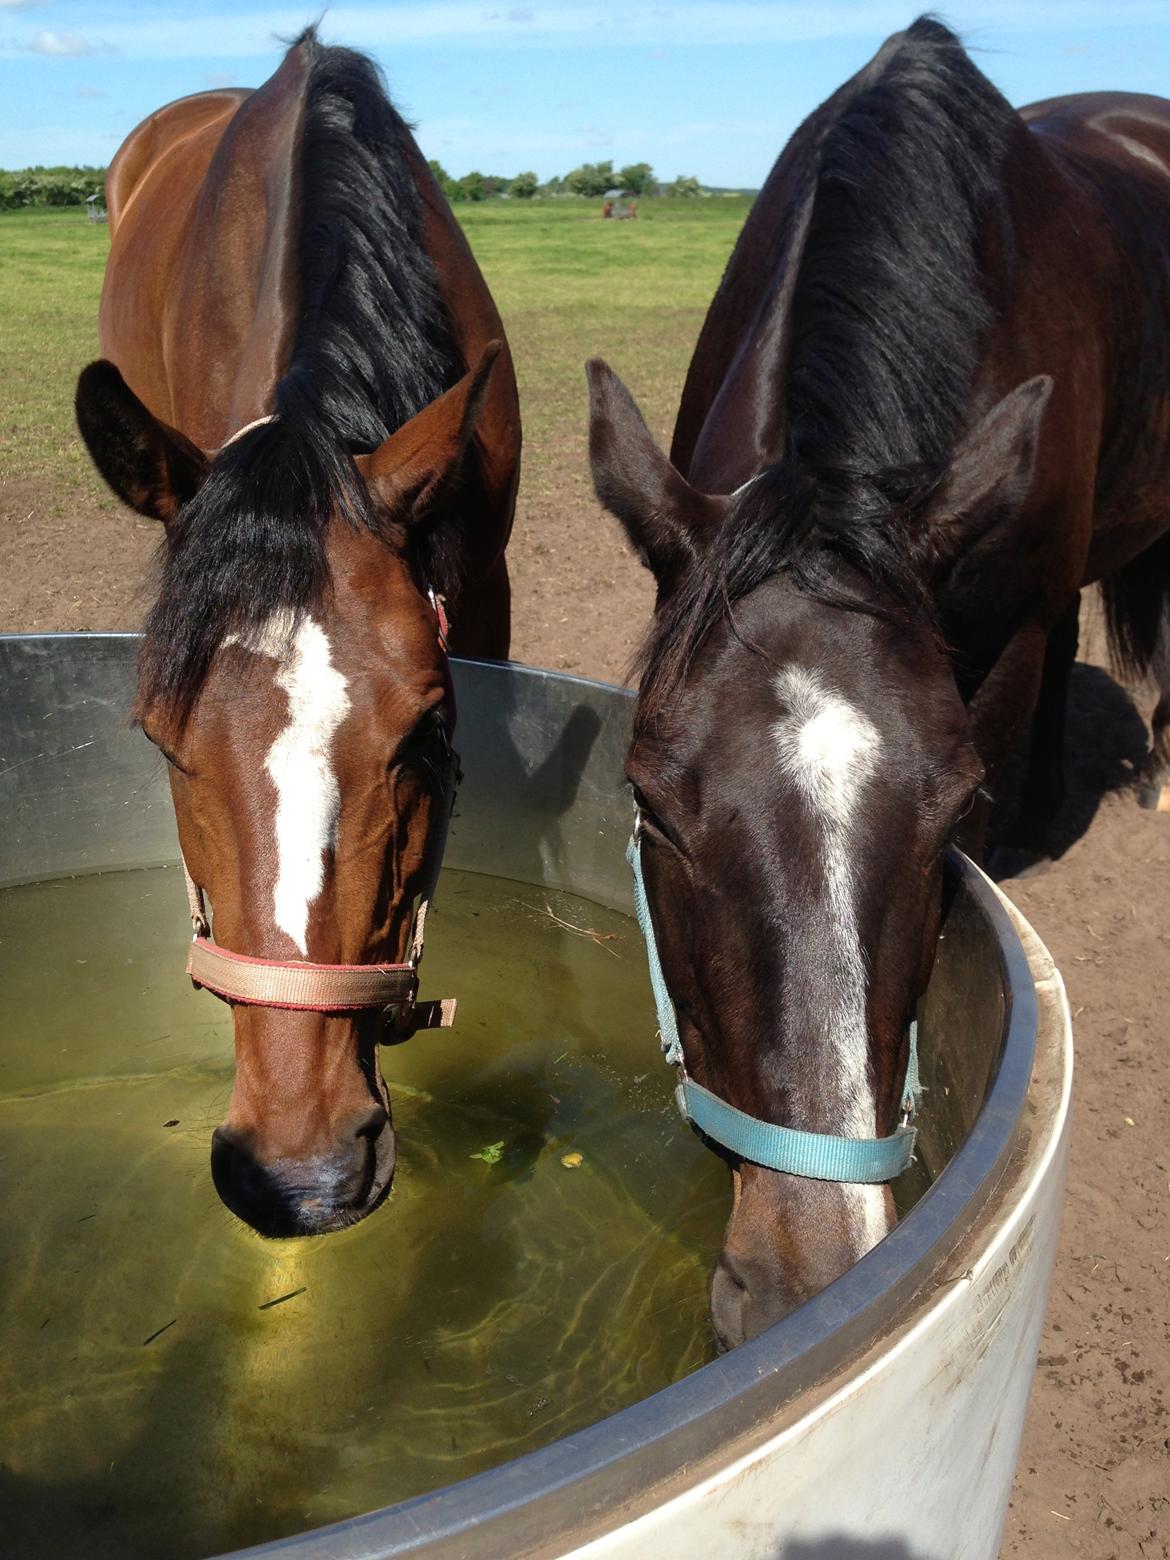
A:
(882, 1419)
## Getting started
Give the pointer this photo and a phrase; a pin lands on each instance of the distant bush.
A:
(49, 186)
(524, 186)
(472, 186)
(591, 178)
(638, 179)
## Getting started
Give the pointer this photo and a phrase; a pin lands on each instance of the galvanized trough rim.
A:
(574, 1483)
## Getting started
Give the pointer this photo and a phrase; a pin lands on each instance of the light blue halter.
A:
(821, 1156)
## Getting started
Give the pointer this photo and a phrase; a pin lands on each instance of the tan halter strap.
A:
(257, 422)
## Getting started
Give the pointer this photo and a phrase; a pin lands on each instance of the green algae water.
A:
(174, 1386)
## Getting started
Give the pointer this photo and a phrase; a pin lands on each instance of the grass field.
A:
(568, 285)
(51, 265)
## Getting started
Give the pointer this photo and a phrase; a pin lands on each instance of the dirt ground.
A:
(1094, 1472)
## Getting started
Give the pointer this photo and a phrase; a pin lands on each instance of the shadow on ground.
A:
(1106, 743)
(839, 1546)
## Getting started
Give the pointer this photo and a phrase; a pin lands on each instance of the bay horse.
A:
(930, 402)
(305, 379)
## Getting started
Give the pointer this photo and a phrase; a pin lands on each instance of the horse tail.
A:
(1137, 612)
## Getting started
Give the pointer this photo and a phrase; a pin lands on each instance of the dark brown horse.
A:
(306, 383)
(930, 402)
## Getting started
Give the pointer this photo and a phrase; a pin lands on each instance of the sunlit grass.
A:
(568, 285)
(51, 265)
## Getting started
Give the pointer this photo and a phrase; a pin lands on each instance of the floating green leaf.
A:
(492, 1154)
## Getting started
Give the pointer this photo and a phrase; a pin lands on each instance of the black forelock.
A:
(888, 314)
(371, 347)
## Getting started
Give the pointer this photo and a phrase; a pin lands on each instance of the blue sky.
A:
(692, 86)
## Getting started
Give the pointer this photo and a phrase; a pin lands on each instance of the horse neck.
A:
(236, 300)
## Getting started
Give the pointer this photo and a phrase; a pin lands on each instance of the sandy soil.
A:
(1094, 1473)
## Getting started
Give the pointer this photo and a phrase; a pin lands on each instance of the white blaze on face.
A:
(829, 749)
(300, 765)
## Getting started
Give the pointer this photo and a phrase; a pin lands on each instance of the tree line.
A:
(73, 186)
(49, 186)
(590, 179)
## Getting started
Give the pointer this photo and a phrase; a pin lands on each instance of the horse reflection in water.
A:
(305, 381)
(930, 402)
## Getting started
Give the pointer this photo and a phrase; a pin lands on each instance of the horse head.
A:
(801, 760)
(294, 676)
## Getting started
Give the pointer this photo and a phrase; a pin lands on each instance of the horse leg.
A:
(1137, 610)
(1154, 785)
(1044, 790)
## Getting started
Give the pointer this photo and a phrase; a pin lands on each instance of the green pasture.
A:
(51, 264)
(567, 284)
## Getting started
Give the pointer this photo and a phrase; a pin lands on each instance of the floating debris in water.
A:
(573, 1161)
(280, 1299)
(160, 1332)
(173, 1122)
(600, 938)
(492, 1154)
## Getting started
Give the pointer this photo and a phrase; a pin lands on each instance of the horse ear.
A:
(150, 466)
(668, 522)
(990, 475)
(409, 471)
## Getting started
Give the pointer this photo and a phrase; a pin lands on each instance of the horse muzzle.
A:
(282, 1196)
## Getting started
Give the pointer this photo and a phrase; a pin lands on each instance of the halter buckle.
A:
(406, 1018)
(397, 1021)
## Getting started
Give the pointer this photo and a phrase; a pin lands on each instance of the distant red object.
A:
(619, 207)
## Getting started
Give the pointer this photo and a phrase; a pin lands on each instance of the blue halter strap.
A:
(821, 1156)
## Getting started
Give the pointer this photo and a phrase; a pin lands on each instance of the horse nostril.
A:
(729, 1301)
(730, 1271)
(372, 1124)
(243, 1185)
(224, 1147)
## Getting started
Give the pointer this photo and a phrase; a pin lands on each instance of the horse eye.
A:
(427, 748)
(648, 814)
(426, 730)
(166, 753)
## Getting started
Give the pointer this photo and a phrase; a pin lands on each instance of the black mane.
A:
(372, 346)
(888, 314)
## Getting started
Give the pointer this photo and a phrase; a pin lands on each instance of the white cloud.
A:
(86, 91)
(64, 45)
(21, 5)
